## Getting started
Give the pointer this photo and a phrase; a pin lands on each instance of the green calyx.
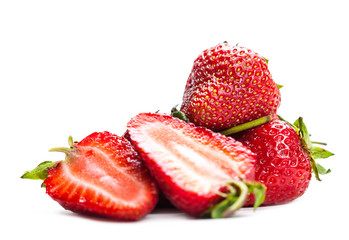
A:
(178, 114)
(65, 150)
(236, 198)
(40, 172)
(313, 151)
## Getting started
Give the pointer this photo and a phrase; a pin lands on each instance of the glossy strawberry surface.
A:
(190, 164)
(103, 175)
(229, 85)
(282, 165)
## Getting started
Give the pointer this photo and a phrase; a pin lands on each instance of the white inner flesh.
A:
(214, 176)
(98, 190)
(189, 162)
(92, 169)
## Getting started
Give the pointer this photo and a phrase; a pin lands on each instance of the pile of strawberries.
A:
(224, 149)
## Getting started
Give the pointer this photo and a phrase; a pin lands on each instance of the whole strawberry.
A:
(101, 175)
(229, 85)
(285, 159)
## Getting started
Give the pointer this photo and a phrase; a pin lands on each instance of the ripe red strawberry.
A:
(285, 159)
(194, 167)
(229, 85)
(101, 175)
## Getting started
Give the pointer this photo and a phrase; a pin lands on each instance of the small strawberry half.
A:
(229, 85)
(199, 171)
(285, 158)
(101, 175)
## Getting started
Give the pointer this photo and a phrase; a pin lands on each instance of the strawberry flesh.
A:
(191, 164)
(103, 175)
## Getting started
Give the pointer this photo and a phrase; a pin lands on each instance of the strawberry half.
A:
(101, 175)
(229, 85)
(199, 171)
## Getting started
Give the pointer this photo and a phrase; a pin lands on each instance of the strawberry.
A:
(285, 159)
(200, 172)
(229, 85)
(101, 175)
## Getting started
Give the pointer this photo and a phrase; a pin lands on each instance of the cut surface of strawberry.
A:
(192, 165)
(102, 175)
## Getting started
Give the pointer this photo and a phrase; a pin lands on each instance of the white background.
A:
(75, 67)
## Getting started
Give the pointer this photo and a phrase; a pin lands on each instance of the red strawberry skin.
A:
(229, 85)
(190, 164)
(282, 165)
(103, 175)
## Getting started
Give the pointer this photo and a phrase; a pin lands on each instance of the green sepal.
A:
(40, 172)
(218, 210)
(65, 150)
(322, 170)
(258, 190)
(303, 132)
(279, 86)
(313, 152)
(236, 198)
(319, 152)
(178, 114)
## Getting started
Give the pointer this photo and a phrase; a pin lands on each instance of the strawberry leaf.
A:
(303, 132)
(322, 170)
(236, 198)
(319, 152)
(314, 152)
(258, 189)
(40, 172)
(220, 208)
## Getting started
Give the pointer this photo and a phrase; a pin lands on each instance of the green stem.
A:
(65, 150)
(319, 143)
(243, 189)
(235, 198)
(314, 167)
(248, 125)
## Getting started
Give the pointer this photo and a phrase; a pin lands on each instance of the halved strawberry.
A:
(198, 170)
(101, 175)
